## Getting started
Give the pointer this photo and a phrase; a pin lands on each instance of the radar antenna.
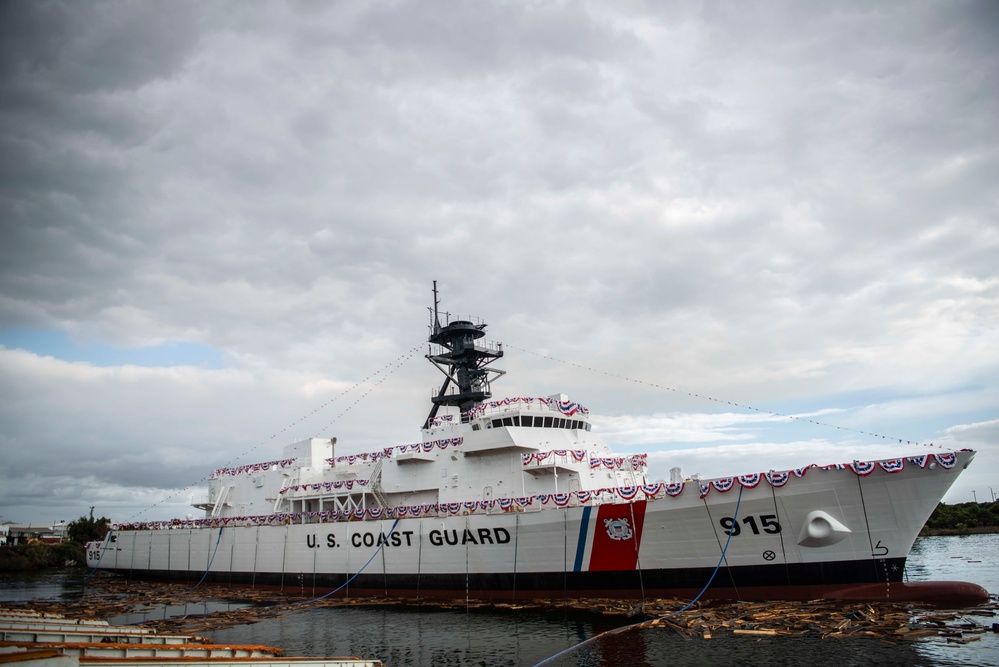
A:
(463, 362)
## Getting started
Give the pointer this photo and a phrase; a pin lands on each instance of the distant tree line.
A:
(37, 556)
(964, 516)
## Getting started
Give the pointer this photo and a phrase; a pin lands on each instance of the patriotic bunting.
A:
(892, 465)
(778, 479)
(723, 485)
(388, 452)
(946, 460)
(863, 468)
(653, 490)
(251, 468)
(567, 408)
(620, 462)
(628, 493)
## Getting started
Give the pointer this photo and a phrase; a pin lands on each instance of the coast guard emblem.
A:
(618, 529)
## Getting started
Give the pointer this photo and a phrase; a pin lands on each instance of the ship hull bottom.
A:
(843, 580)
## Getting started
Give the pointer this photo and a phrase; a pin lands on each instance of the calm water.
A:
(424, 638)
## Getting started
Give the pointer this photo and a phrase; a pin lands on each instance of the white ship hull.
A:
(836, 531)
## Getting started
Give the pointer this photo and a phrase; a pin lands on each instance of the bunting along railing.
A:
(337, 485)
(567, 408)
(441, 420)
(389, 452)
(251, 468)
(541, 501)
(554, 456)
(633, 462)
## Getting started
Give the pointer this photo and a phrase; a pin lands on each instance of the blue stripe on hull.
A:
(584, 525)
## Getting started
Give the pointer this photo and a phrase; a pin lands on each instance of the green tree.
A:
(86, 529)
(964, 516)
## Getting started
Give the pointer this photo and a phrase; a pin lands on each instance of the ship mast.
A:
(462, 361)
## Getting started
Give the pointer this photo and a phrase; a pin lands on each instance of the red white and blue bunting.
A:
(348, 484)
(621, 462)
(252, 468)
(351, 459)
(567, 408)
(441, 420)
(389, 452)
(554, 456)
(603, 495)
(861, 468)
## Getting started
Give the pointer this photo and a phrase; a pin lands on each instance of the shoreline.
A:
(939, 532)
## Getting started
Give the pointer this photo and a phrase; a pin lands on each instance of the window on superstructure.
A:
(527, 420)
(548, 422)
(497, 423)
(507, 421)
(516, 420)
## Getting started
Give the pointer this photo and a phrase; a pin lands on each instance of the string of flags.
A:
(712, 399)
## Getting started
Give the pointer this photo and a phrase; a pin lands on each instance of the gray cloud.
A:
(793, 203)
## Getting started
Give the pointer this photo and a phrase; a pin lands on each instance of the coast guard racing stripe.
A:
(617, 536)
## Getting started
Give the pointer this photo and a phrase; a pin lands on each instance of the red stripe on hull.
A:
(617, 537)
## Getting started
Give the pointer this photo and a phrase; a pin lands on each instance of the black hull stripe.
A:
(729, 582)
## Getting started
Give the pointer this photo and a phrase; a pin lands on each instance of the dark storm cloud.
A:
(95, 46)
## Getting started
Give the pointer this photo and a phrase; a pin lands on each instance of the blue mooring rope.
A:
(679, 611)
(107, 542)
(384, 542)
(211, 560)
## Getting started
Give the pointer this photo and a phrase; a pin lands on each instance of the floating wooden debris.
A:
(108, 596)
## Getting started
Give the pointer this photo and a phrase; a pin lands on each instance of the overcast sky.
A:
(220, 223)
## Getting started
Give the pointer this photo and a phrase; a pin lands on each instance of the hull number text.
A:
(766, 523)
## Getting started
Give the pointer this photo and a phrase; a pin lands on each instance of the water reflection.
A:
(957, 558)
(418, 637)
(21, 587)
(165, 611)
(654, 647)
